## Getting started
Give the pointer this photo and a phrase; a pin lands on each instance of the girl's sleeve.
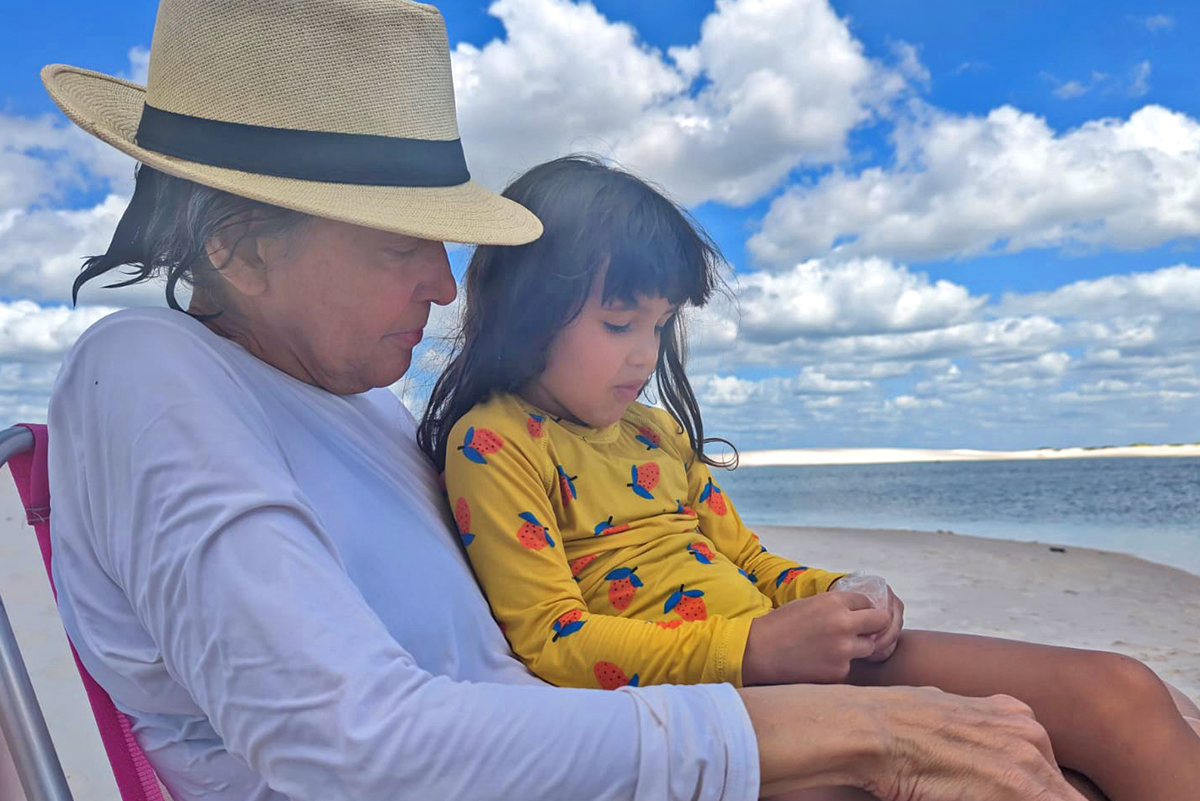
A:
(499, 481)
(781, 580)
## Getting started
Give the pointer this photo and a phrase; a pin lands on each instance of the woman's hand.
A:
(885, 642)
(903, 744)
(947, 746)
(812, 640)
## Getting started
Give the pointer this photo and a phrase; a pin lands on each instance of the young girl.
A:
(611, 557)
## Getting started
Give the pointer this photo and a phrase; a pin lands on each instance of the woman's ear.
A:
(239, 258)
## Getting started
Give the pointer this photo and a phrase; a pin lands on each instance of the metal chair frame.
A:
(21, 720)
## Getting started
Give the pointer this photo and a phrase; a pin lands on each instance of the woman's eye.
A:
(617, 329)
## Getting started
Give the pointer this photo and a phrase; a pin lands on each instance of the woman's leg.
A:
(825, 794)
(1085, 788)
(1109, 717)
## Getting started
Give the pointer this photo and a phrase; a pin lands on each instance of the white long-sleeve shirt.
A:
(263, 577)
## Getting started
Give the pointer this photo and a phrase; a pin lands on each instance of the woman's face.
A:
(336, 305)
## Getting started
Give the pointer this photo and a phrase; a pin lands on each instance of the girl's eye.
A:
(617, 329)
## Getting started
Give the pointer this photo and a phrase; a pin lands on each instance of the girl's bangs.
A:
(654, 252)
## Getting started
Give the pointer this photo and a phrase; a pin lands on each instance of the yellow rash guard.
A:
(609, 556)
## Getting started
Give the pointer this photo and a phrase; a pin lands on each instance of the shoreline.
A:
(797, 457)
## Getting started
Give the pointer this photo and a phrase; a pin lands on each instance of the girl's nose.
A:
(645, 353)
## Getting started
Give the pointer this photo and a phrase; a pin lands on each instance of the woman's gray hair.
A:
(166, 226)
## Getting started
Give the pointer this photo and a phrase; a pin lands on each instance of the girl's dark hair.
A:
(165, 228)
(597, 219)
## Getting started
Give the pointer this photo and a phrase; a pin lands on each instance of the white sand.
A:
(820, 456)
(30, 606)
(1080, 598)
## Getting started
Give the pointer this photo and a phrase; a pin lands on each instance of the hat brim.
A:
(110, 109)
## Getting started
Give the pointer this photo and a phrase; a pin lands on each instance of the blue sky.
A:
(950, 224)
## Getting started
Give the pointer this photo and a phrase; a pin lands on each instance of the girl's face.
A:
(599, 363)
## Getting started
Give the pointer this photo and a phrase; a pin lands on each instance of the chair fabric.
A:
(136, 780)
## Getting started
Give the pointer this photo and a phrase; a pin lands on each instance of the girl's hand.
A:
(885, 642)
(812, 640)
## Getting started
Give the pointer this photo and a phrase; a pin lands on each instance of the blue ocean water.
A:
(1148, 507)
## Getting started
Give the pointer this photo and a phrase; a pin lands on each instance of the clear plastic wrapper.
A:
(874, 587)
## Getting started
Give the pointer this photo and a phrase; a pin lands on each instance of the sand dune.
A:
(822, 456)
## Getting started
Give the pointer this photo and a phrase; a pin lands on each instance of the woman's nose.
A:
(437, 280)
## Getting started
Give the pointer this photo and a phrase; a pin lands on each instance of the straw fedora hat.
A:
(338, 108)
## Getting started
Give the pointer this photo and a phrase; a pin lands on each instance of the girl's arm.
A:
(500, 486)
(781, 580)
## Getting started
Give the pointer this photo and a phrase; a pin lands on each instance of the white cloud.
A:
(1070, 89)
(836, 341)
(41, 251)
(1167, 291)
(1157, 22)
(770, 84)
(865, 296)
(139, 65)
(965, 185)
(908, 63)
(31, 332)
(1124, 346)
(731, 390)
(1140, 83)
(24, 387)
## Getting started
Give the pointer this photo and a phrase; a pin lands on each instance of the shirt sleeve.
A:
(500, 481)
(228, 569)
(780, 579)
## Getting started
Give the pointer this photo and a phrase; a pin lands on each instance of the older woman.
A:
(251, 552)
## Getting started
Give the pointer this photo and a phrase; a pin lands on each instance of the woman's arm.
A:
(903, 743)
(181, 495)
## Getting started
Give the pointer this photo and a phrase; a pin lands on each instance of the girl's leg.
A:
(1187, 707)
(1084, 785)
(1108, 716)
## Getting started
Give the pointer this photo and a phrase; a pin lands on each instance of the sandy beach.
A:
(1078, 597)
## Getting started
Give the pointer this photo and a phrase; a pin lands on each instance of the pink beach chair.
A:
(23, 447)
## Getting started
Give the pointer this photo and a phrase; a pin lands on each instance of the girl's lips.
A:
(629, 391)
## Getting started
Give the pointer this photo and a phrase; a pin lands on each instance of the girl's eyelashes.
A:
(621, 328)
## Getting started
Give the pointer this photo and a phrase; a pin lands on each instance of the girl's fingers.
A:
(854, 601)
(883, 650)
(871, 620)
(862, 647)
